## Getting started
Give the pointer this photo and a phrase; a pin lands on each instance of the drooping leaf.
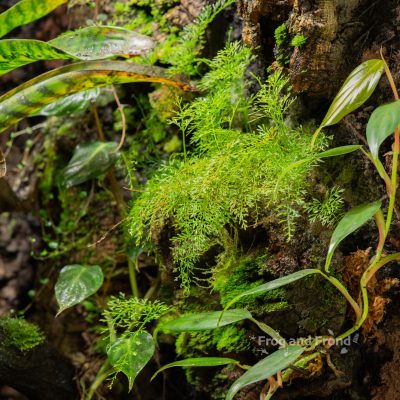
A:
(382, 123)
(351, 221)
(269, 366)
(355, 91)
(88, 162)
(15, 53)
(205, 321)
(130, 354)
(75, 283)
(99, 42)
(25, 12)
(30, 97)
(338, 151)
(71, 104)
(276, 283)
(198, 362)
(3, 165)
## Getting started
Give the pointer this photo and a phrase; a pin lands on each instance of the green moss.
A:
(280, 35)
(298, 41)
(21, 334)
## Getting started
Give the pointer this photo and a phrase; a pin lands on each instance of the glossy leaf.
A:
(351, 221)
(276, 283)
(198, 362)
(71, 104)
(15, 53)
(75, 283)
(382, 123)
(130, 354)
(269, 366)
(338, 151)
(88, 162)
(99, 42)
(206, 320)
(355, 91)
(32, 96)
(25, 12)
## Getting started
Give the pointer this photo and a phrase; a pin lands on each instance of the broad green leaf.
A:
(93, 43)
(350, 222)
(32, 96)
(276, 283)
(75, 283)
(198, 362)
(25, 12)
(269, 366)
(382, 123)
(355, 91)
(206, 320)
(98, 42)
(130, 354)
(88, 162)
(15, 53)
(338, 151)
(71, 104)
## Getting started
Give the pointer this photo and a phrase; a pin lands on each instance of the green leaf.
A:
(32, 96)
(206, 320)
(198, 362)
(269, 366)
(350, 222)
(130, 354)
(15, 53)
(355, 91)
(88, 162)
(75, 283)
(276, 283)
(338, 151)
(382, 123)
(25, 12)
(71, 104)
(99, 42)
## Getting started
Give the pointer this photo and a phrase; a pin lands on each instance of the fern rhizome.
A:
(237, 147)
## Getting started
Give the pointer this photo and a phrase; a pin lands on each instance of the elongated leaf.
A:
(351, 221)
(15, 53)
(206, 320)
(76, 283)
(130, 354)
(93, 43)
(88, 162)
(355, 91)
(269, 366)
(99, 42)
(382, 123)
(71, 104)
(33, 95)
(338, 151)
(276, 283)
(25, 12)
(198, 362)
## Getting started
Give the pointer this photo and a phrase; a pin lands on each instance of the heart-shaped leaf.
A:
(25, 12)
(269, 366)
(130, 354)
(206, 320)
(382, 123)
(276, 283)
(198, 362)
(88, 162)
(75, 283)
(356, 90)
(71, 104)
(351, 221)
(99, 42)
